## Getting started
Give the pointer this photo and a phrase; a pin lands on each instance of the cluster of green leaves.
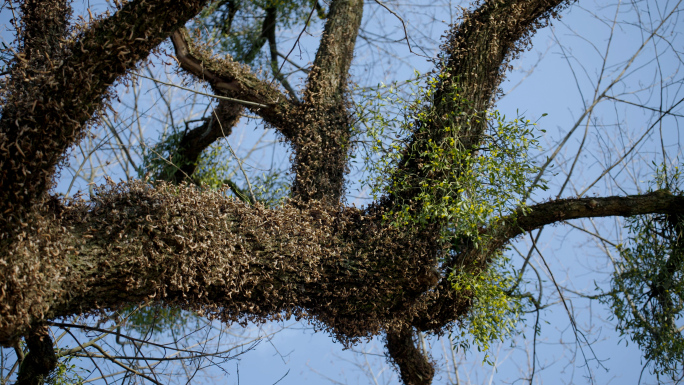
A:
(161, 160)
(272, 189)
(474, 188)
(647, 296)
(470, 187)
(462, 189)
(214, 170)
(66, 373)
(214, 167)
(495, 312)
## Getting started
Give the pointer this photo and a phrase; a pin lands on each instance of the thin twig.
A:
(110, 358)
(245, 102)
(403, 25)
(575, 329)
(239, 162)
(306, 24)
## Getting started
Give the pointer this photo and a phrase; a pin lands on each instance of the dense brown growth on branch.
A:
(347, 270)
(55, 88)
(217, 256)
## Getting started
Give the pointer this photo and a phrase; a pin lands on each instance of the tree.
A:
(409, 262)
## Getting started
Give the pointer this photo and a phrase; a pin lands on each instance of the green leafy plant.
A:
(272, 188)
(496, 310)
(66, 373)
(647, 296)
(162, 160)
(462, 189)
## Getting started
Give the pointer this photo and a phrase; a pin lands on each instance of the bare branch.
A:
(657, 202)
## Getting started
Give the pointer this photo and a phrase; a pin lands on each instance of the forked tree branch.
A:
(55, 104)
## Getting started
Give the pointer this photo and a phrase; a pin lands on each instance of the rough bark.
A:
(55, 104)
(414, 366)
(215, 255)
(318, 129)
(345, 269)
(237, 81)
(321, 142)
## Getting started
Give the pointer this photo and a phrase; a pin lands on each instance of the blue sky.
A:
(558, 77)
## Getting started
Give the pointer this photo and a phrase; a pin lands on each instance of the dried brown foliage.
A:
(344, 269)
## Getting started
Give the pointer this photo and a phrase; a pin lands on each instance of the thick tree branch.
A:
(40, 360)
(46, 110)
(213, 254)
(319, 131)
(657, 202)
(328, 77)
(474, 61)
(44, 27)
(236, 81)
(414, 366)
(322, 143)
(478, 49)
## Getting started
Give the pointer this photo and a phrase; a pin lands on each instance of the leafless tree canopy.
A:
(346, 269)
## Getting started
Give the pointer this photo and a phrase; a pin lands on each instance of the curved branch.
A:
(237, 81)
(55, 104)
(534, 217)
(478, 49)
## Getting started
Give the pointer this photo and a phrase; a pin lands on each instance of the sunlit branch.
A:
(235, 81)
